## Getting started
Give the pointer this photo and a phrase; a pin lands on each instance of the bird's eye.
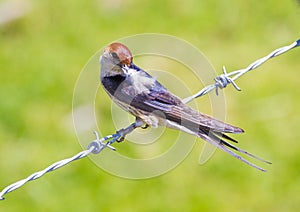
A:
(114, 55)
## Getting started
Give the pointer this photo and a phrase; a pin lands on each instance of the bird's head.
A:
(115, 59)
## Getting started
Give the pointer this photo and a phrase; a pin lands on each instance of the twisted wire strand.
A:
(97, 145)
(39, 174)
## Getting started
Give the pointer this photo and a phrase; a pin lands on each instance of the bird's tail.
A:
(217, 139)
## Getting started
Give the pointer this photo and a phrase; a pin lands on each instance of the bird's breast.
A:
(112, 84)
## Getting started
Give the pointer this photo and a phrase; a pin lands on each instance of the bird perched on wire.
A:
(153, 105)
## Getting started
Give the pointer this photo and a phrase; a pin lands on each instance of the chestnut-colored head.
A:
(120, 53)
(115, 58)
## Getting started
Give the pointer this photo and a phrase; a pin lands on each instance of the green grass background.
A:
(42, 54)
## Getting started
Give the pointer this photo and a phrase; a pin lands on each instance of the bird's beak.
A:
(105, 53)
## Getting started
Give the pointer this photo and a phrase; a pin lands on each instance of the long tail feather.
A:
(238, 149)
(221, 144)
(222, 135)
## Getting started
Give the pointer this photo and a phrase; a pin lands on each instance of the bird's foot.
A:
(120, 139)
(121, 134)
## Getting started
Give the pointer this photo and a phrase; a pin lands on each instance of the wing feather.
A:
(175, 110)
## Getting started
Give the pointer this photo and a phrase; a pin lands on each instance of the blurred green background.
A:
(43, 51)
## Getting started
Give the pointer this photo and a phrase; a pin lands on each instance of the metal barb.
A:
(223, 80)
(98, 145)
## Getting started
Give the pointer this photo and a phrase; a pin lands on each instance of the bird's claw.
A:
(145, 126)
(120, 139)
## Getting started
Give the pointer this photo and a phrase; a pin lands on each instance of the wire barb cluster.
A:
(97, 145)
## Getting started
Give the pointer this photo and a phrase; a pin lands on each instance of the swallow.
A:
(140, 94)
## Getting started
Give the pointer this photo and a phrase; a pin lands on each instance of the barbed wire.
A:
(225, 79)
(97, 145)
